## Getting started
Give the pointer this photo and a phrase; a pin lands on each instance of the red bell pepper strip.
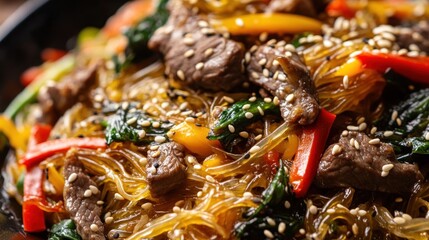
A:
(310, 150)
(340, 8)
(415, 69)
(52, 54)
(42, 151)
(271, 158)
(39, 133)
(30, 75)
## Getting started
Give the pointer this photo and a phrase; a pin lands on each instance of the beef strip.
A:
(418, 34)
(58, 98)
(195, 55)
(264, 70)
(83, 210)
(361, 168)
(166, 168)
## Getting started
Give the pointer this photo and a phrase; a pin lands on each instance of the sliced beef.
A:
(283, 76)
(57, 98)
(418, 34)
(84, 210)
(362, 168)
(195, 55)
(166, 168)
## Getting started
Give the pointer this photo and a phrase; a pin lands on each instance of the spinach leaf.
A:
(139, 35)
(273, 207)
(64, 230)
(132, 125)
(240, 115)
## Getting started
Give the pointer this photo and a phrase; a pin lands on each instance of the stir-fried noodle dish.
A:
(228, 119)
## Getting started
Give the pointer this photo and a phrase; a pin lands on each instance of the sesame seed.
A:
(384, 43)
(228, 99)
(373, 130)
(262, 62)
(287, 204)
(384, 173)
(257, 138)
(427, 136)
(248, 195)
(98, 98)
(99, 202)
(247, 57)
(94, 227)
(263, 37)
(87, 193)
(255, 75)
(239, 22)
(160, 139)
(282, 77)
(131, 120)
(272, 42)
(394, 115)
(197, 166)
(108, 220)
(355, 229)
(125, 105)
(354, 212)
(399, 220)
(203, 23)
(345, 133)
(399, 199)
(268, 100)
(271, 221)
(361, 212)
(387, 167)
(266, 72)
(407, 217)
(330, 211)
(374, 141)
(244, 134)
(254, 149)
(282, 227)
(361, 120)
(356, 145)
(389, 36)
(290, 98)
(352, 141)
(362, 126)
(208, 52)
(118, 196)
(155, 155)
(402, 51)
(399, 121)
(413, 54)
(302, 231)
(199, 66)
(189, 53)
(313, 209)
(336, 149)
(189, 41)
(143, 161)
(199, 194)
(72, 178)
(388, 133)
(276, 100)
(246, 106)
(94, 189)
(290, 47)
(268, 234)
(231, 128)
(275, 63)
(346, 81)
(327, 43)
(156, 124)
(176, 209)
(352, 128)
(252, 99)
(260, 110)
(145, 123)
(142, 134)
(154, 147)
(181, 75)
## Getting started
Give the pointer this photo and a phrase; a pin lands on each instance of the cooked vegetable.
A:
(133, 126)
(415, 69)
(139, 35)
(340, 8)
(277, 23)
(275, 205)
(43, 150)
(240, 115)
(15, 137)
(32, 216)
(312, 144)
(64, 230)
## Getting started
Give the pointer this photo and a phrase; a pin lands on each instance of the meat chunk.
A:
(417, 35)
(292, 84)
(363, 167)
(166, 168)
(195, 55)
(56, 99)
(83, 209)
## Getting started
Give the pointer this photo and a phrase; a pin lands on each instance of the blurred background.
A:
(7, 7)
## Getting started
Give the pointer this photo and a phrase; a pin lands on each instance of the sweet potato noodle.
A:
(216, 130)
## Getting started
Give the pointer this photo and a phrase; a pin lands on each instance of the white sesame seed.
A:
(302, 231)
(407, 217)
(142, 134)
(356, 145)
(327, 43)
(254, 149)
(94, 189)
(374, 141)
(176, 209)
(427, 136)
(388, 133)
(263, 37)
(98, 98)
(394, 115)
(154, 147)
(276, 101)
(228, 99)
(282, 77)
(252, 99)
(246, 106)
(208, 52)
(160, 139)
(361, 212)
(389, 36)
(231, 128)
(262, 62)
(72, 178)
(398, 121)
(248, 195)
(189, 41)
(275, 63)
(387, 167)
(118, 196)
(254, 75)
(190, 120)
(87, 193)
(384, 43)
(244, 134)
(402, 51)
(272, 42)
(99, 202)
(288, 54)
(271, 221)
(346, 81)
(203, 23)
(143, 161)
(330, 211)
(239, 22)
(313, 210)
(109, 220)
(354, 211)
(259, 137)
(156, 124)
(266, 72)
(360, 120)
(290, 98)
(260, 110)
(352, 128)
(94, 227)
(336, 149)
(355, 229)
(399, 220)
(268, 234)
(282, 227)
(345, 133)
(189, 53)
(267, 100)
(287, 204)
(413, 54)
(125, 105)
(384, 173)
(197, 166)
(145, 123)
(131, 120)
(373, 130)
(181, 75)
(362, 126)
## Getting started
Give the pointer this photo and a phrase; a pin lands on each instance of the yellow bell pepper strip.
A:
(54, 71)
(16, 138)
(278, 23)
(310, 150)
(350, 68)
(194, 138)
(43, 150)
(415, 69)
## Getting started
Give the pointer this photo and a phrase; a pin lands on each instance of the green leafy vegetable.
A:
(64, 230)
(128, 125)
(20, 184)
(238, 116)
(408, 139)
(273, 206)
(139, 35)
